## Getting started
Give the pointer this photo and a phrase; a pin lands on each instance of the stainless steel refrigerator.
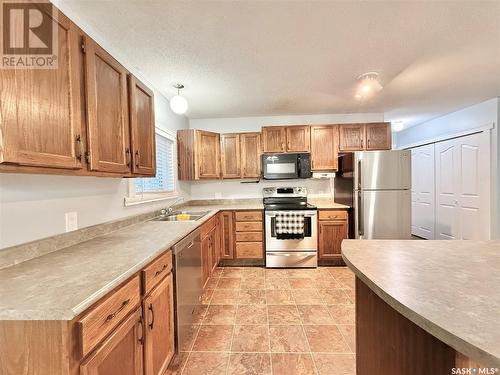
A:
(377, 185)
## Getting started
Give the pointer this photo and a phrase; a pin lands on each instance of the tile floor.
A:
(273, 321)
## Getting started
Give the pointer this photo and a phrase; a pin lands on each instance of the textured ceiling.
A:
(244, 58)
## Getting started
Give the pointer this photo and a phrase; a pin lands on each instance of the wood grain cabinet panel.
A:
(248, 216)
(107, 111)
(156, 270)
(324, 148)
(159, 327)
(378, 136)
(329, 215)
(249, 226)
(230, 155)
(208, 147)
(274, 138)
(227, 233)
(298, 139)
(142, 128)
(121, 353)
(249, 250)
(331, 234)
(251, 150)
(41, 112)
(352, 137)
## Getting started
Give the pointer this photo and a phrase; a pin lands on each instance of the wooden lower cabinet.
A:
(331, 233)
(121, 353)
(248, 235)
(227, 235)
(159, 327)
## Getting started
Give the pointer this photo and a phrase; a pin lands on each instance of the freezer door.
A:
(383, 214)
(382, 170)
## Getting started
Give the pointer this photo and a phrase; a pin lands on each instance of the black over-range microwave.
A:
(286, 166)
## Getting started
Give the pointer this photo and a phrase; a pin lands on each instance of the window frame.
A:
(133, 198)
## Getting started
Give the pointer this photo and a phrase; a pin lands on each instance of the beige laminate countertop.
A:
(64, 283)
(449, 288)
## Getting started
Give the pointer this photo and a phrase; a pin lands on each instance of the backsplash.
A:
(229, 189)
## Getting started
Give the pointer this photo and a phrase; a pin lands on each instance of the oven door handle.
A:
(305, 215)
(297, 254)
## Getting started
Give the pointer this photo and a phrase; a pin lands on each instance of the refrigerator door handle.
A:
(359, 174)
(361, 229)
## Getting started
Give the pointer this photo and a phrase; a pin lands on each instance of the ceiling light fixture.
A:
(397, 125)
(178, 103)
(368, 85)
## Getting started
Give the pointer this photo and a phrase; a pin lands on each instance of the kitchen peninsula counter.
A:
(447, 290)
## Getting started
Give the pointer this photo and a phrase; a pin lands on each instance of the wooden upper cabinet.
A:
(324, 148)
(230, 155)
(107, 111)
(378, 136)
(41, 109)
(208, 146)
(352, 137)
(121, 353)
(274, 138)
(298, 139)
(159, 326)
(250, 155)
(142, 128)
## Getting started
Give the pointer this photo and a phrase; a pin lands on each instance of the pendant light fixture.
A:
(368, 85)
(178, 103)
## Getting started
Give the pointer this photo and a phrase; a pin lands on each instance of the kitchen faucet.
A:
(169, 209)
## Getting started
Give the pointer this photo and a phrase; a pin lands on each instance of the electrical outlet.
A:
(71, 221)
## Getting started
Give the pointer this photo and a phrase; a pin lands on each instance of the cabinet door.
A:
(159, 344)
(142, 128)
(250, 155)
(41, 109)
(205, 259)
(324, 148)
(107, 111)
(378, 136)
(331, 234)
(208, 154)
(227, 232)
(298, 139)
(121, 353)
(274, 138)
(352, 137)
(230, 155)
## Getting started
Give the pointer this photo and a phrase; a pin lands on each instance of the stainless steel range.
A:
(291, 228)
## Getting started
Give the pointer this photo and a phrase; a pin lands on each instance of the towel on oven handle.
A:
(289, 225)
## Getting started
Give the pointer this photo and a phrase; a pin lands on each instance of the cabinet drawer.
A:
(103, 318)
(249, 250)
(248, 236)
(248, 226)
(333, 215)
(248, 216)
(207, 227)
(156, 271)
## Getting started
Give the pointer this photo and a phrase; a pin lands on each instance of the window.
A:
(162, 186)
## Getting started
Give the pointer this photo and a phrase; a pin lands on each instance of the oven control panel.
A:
(292, 192)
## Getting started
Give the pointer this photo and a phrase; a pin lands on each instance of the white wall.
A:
(480, 115)
(236, 189)
(34, 206)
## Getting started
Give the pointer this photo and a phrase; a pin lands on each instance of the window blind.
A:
(164, 180)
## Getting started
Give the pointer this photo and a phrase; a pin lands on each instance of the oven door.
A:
(280, 166)
(308, 243)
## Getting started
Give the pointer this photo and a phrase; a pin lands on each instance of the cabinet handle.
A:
(113, 315)
(361, 143)
(160, 271)
(141, 323)
(150, 308)
(80, 147)
(137, 158)
(127, 157)
(368, 143)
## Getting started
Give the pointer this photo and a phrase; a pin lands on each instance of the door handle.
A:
(137, 158)
(359, 174)
(141, 323)
(127, 157)
(150, 308)
(361, 229)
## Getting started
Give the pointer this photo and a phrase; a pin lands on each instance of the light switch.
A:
(71, 221)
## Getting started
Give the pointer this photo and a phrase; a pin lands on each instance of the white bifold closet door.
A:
(422, 192)
(462, 171)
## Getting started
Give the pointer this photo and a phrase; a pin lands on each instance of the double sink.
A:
(181, 216)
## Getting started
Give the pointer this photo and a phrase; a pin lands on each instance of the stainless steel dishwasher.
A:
(188, 288)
